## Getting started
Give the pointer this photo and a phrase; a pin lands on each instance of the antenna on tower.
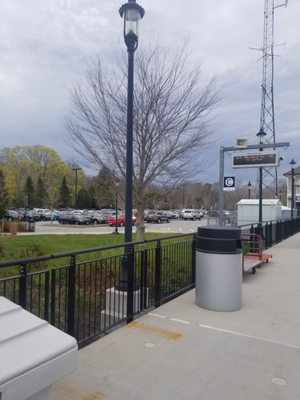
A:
(267, 114)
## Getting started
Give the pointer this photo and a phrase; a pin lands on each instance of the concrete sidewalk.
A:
(181, 351)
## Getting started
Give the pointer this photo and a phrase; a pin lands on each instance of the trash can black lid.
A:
(219, 239)
(226, 232)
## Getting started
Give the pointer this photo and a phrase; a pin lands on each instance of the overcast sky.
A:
(45, 46)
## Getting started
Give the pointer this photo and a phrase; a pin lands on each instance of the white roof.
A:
(269, 202)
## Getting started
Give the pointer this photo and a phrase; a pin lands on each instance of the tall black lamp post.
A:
(249, 189)
(261, 134)
(131, 12)
(292, 163)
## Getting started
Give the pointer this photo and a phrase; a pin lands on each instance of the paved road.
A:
(175, 226)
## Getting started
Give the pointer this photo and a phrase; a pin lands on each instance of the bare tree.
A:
(171, 107)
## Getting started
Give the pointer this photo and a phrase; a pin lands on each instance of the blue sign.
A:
(229, 183)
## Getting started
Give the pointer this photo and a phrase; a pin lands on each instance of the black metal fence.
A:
(78, 295)
(274, 231)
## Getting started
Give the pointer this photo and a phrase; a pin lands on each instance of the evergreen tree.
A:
(65, 194)
(3, 195)
(29, 193)
(40, 193)
(92, 193)
(84, 200)
(105, 183)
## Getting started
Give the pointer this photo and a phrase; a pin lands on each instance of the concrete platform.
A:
(181, 351)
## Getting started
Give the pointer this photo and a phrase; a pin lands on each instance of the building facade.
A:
(296, 175)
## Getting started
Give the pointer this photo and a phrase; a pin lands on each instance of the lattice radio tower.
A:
(267, 117)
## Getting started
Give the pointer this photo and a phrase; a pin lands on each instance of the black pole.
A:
(260, 196)
(123, 283)
(249, 190)
(129, 151)
(131, 12)
(261, 134)
(293, 193)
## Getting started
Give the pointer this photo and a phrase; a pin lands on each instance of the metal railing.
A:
(77, 294)
(273, 232)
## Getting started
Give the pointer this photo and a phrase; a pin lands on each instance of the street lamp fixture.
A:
(261, 135)
(249, 189)
(292, 163)
(131, 12)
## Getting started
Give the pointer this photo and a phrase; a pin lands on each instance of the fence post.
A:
(157, 298)
(252, 240)
(272, 238)
(294, 226)
(53, 298)
(277, 227)
(23, 286)
(144, 280)
(129, 259)
(71, 296)
(47, 292)
(267, 235)
(194, 259)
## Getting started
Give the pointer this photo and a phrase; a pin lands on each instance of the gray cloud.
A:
(45, 46)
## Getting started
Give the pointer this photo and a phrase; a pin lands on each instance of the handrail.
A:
(25, 261)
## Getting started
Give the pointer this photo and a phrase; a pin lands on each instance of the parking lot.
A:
(175, 226)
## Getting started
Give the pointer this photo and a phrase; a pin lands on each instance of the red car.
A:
(120, 221)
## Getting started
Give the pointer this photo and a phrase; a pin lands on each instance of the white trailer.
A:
(248, 211)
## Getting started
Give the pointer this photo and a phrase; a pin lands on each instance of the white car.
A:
(191, 214)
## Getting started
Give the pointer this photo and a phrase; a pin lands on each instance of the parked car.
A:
(213, 213)
(199, 214)
(98, 217)
(157, 216)
(191, 214)
(69, 217)
(28, 216)
(105, 214)
(176, 213)
(51, 215)
(11, 215)
(170, 213)
(120, 220)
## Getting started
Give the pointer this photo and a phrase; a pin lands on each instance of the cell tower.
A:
(267, 118)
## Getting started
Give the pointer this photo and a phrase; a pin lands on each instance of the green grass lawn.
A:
(16, 247)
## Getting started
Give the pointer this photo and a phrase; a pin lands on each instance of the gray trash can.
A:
(219, 271)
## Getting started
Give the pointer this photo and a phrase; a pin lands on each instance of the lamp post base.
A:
(116, 302)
